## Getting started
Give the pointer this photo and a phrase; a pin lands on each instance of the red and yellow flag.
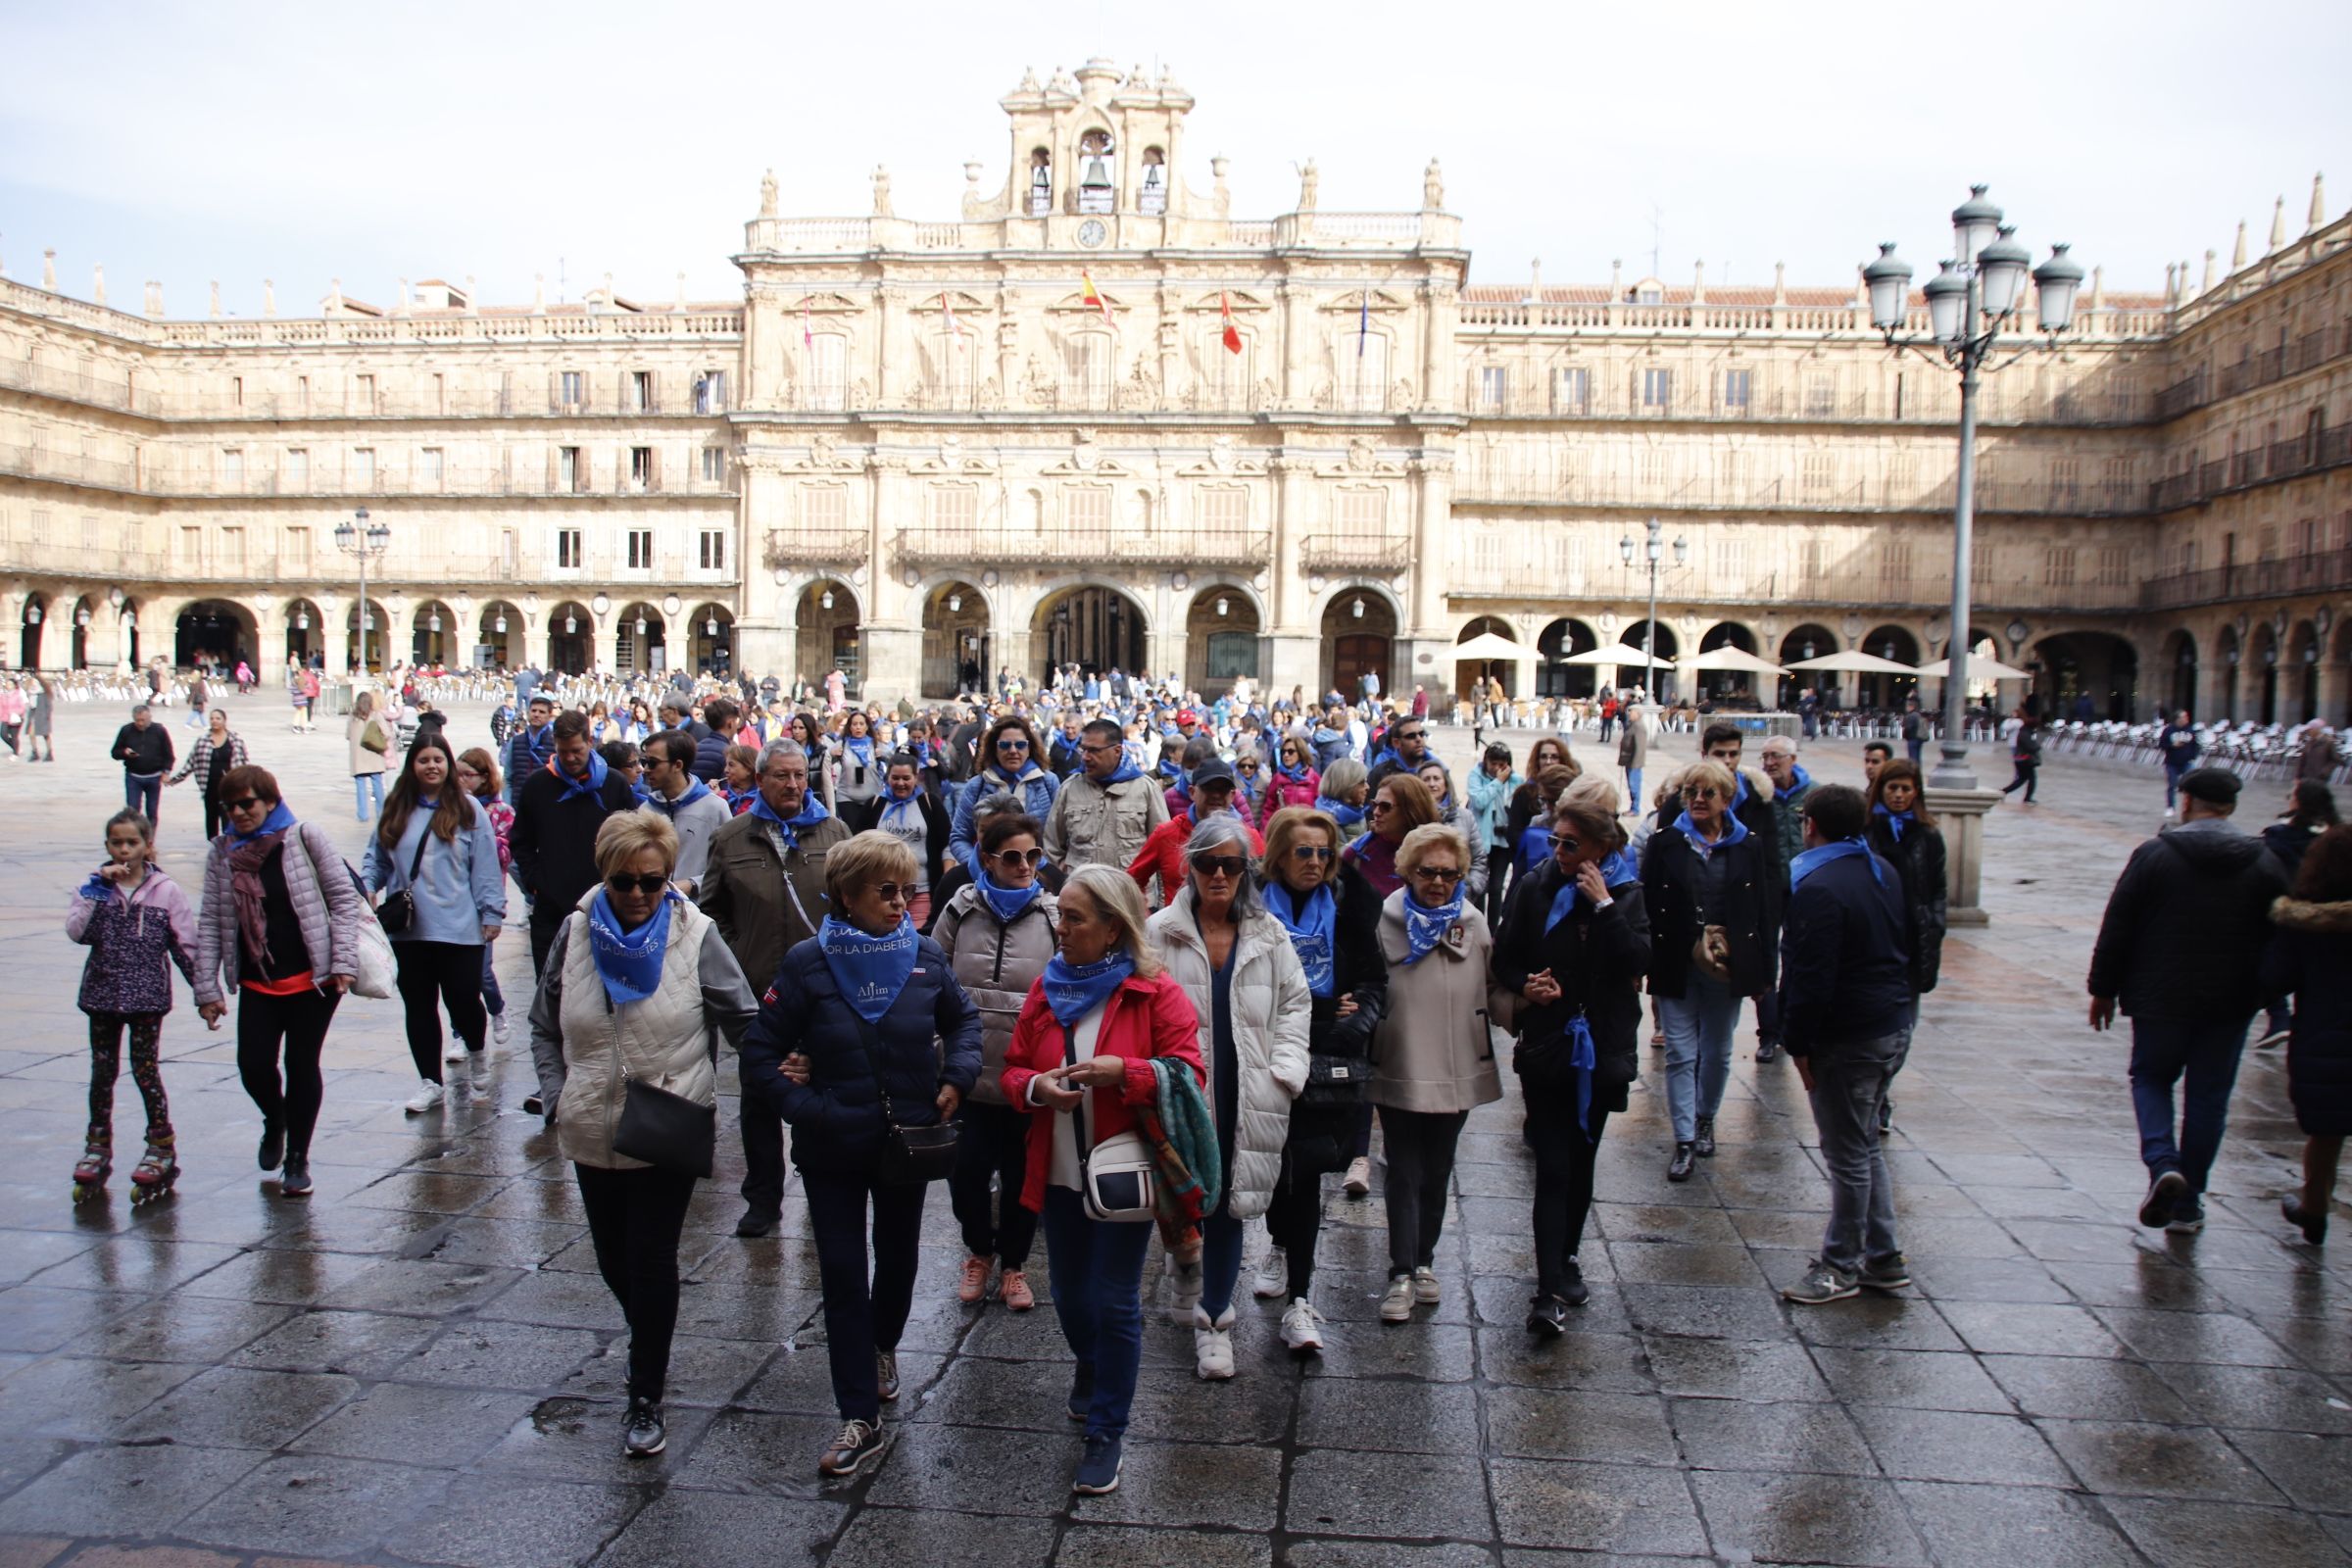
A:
(1233, 335)
(1095, 298)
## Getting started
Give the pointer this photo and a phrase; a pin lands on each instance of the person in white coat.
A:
(1236, 963)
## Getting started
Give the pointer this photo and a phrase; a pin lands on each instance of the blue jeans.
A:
(361, 784)
(143, 792)
(1698, 1025)
(2205, 1053)
(1220, 1259)
(2171, 785)
(1849, 1090)
(862, 1316)
(1633, 791)
(492, 997)
(1096, 1270)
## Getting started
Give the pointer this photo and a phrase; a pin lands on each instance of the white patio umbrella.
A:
(1854, 661)
(1730, 656)
(1613, 654)
(1488, 645)
(1978, 668)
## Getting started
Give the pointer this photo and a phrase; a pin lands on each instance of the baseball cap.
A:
(1216, 770)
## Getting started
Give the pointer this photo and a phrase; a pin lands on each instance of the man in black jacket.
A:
(711, 748)
(556, 821)
(145, 749)
(1845, 1010)
(2178, 948)
(1409, 737)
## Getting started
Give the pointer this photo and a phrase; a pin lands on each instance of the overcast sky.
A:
(241, 141)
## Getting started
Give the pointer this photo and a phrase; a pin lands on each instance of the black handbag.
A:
(665, 1130)
(910, 1156)
(397, 912)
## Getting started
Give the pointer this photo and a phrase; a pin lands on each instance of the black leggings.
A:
(994, 1142)
(1564, 1158)
(299, 1022)
(431, 973)
(1420, 1148)
(635, 1218)
(1499, 882)
(1318, 1142)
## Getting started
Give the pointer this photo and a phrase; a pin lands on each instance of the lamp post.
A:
(356, 536)
(1653, 549)
(1968, 302)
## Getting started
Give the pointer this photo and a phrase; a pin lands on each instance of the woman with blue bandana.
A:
(1575, 949)
(638, 984)
(1434, 1055)
(858, 771)
(863, 1028)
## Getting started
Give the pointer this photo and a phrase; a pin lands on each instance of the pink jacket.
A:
(1281, 791)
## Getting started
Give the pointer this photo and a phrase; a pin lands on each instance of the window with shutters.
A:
(1085, 366)
(1895, 561)
(714, 465)
(1821, 395)
(232, 470)
(430, 468)
(571, 474)
(1731, 477)
(571, 390)
(641, 391)
(1653, 470)
(641, 468)
(295, 554)
(2307, 536)
(1086, 513)
(231, 556)
(302, 392)
(363, 395)
(1731, 559)
(828, 370)
(641, 549)
(955, 511)
(187, 549)
(951, 357)
(1983, 562)
(1813, 560)
(90, 527)
(1493, 388)
(2058, 566)
(2065, 482)
(1362, 514)
(1816, 473)
(298, 468)
(712, 549)
(1902, 479)
(825, 509)
(1486, 556)
(1571, 390)
(39, 528)
(362, 468)
(1736, 388)
(1225, 375)
(1224, 512)
(2115, 565)
(571, 554)
(1657, 388)
(1362, 366)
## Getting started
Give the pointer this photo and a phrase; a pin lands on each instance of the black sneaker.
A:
(1097, 1468)
(295, 1180)
(1768, 1051)
(2313, 1225)
(1573, 1288)
(1703, 1146)
(1886, 1274)
(885, 1374)
(1082, 1392)
(1679, 1169)
(859, 1447)
(273, 1153)
(532, 1105)
(2188, 1217)
(1547, 1317)
(761, 1220)
(645, 1436)
(2164, 1193)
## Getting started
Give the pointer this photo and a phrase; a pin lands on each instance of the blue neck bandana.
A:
(861, 750)
(1344, 816)
(812, 811)
(1738, 791)
(696, 789)
(575, 788)
(1895, 821)
(1074, 989)
(1734, 830)
(1313, 927)
(1615, 871)
(1297, 775)
(1809, 862)
(628, 962)
(1426, 927)
(1805, 780)
(903, 817)
(1119, 774)
(1008, 903)
(277, 821)
(870, 970)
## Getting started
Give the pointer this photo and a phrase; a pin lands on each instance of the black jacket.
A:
(1063, 756)
(930, 1037)
(552, 841)
(2311, 956)
(144, 751)
(1358, 970)
(1760, 815)
(710, 757)
(2287, 841)
(1845, 973)
(1599, 956)
(1927, 890)
(1750, 914)
(2186, 924)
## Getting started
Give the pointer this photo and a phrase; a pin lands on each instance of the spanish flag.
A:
(1233, 335)
(1095, 298)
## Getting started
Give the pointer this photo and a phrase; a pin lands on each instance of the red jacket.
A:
(1281, 792)
(1163, 854)
(1143, 1020)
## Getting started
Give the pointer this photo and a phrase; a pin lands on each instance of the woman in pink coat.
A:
(1294, 781)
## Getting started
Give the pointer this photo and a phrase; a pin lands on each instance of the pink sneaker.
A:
(974, 1283)
(1012, 1289)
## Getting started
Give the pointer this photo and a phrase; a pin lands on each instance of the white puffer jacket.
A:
(1271, 1011)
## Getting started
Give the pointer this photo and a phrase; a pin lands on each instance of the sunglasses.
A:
(245, 805)
(1309, 852)
(1436, 873)
(893, 892)
(647, 885)
(1013, 745)
(1378, 806)
(1010, 859)
(1411, 734)
(1567, 841)
(1220, 865)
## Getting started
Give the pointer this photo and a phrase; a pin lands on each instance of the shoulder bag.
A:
(1118, 1179)
(398, 911)
(373, 973)
(665, 1130)
(910, 1156)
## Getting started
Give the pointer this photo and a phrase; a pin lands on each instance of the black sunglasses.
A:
(1220, 865)
(1309, 852)
(1013, 858)
(1567, 841)
(892, 892)
(245, 805)
(621, 882)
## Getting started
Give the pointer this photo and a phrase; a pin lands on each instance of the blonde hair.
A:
(872, 856)
(1283, 830)
(1708, 774)
(1122, 902)
(627, 834)
(1425, 838)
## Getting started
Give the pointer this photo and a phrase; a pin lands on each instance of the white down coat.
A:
(1271, 1011)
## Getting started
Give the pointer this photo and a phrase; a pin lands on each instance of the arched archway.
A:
(28, 636)
(1735, 685)
(710, 633)
(959, 640)
(434, 634)
(1883, 691)
(1220, 640)
(570, 637)
(81, 627)
(126, 617)
(640, 640)
(2229, 654)
(2097, 666)
(1360, 639)
(1560, 641)
(829, 619)
(1637, 635)
(1092, 627)
(2262, 657)
(500, 632)
(306, 635)
(379, 628)
(2302, 679)
(214, 633)
(1812, 640)
(2181, 672)
(1467, 670)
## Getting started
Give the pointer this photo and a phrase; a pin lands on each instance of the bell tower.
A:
(1098, 145)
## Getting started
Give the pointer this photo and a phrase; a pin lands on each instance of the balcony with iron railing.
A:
(787, 547)
(1833, 493)
(948, 547)
(1353, 552)
(2324, 571)
(1534, 576)
(2317, 452)
(1702, 397)
(2206, 384)
(320, 482)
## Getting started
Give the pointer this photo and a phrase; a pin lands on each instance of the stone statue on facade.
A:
(1433, 187)
(882, 192)
(768, 194)
(1309, 178)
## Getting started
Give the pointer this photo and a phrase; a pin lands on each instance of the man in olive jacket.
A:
(765, 887)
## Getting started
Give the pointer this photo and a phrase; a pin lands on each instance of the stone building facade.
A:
(1098, 418)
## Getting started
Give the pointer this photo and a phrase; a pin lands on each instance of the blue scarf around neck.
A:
(1734, 830)
(575, 788)
(1008, 903)
(1074, 989)
(1297, 775)
(696, 789)
(895, 810)
(1343, 815)
(1895, 821)
(1121, 773)
(277, 821)
(1313, 927)
(1805, 780)
(1615, 871)
(812, 811)
(860, 748)
(870, 970)
(1425, 928)
(628, 962)
(1809, 862)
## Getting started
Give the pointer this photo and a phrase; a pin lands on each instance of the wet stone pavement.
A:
(418, 1366)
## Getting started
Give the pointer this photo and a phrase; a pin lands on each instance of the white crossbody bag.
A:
(1118, 1179)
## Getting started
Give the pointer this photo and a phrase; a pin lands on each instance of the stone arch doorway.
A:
(570, 637)
(1221, 640)
(959, 640)
(828, 640)
(433, 635)
(2181, 673)
(1467, 670)
(1727, 683)
(1637, 635)
(2301, 660)
(80, 626)
(1887, 692)
(641, 641)
(1360, 639)
(500, 633)
(29, 635)
(710, 633)
(2229, 654)
(2095, 665)
(306, 635)
(213, 632)
(1561, 640)
(1811, 640)
(1094, 628)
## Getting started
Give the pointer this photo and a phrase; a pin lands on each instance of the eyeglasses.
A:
(1220, 865)
(647, 885)
(1567, 841)
(1096, 751)
(1008, 744)
(245, 805)
(893, 892)
(1310, 851)
(1378, 806)
(1436, 873)
(1009, 859)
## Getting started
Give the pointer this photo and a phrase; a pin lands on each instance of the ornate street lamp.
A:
(1653, 550)
(356, 536)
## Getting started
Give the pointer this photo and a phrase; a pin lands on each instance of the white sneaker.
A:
(501, 1030)
(1397, 1302)
(481, 1073)
(1184, 1291)
(1359, 1176)
(1301, 1327)
(1212, 1344)
(454, 1050)
(1424, 1287)
(428, 1095)
(1273, 1275)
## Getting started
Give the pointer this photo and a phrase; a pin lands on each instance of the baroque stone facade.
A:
(1097, 418)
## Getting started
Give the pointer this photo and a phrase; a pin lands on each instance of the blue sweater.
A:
(1037, 798)
(459, 887)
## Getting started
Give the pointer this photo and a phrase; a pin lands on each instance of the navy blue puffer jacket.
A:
(930, 1037)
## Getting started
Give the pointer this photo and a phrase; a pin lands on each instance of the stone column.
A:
(606, 639)
(1962, 815)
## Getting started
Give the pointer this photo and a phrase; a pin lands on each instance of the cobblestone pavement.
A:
(418, 1366)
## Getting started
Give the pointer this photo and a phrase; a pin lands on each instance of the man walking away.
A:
(2179, 949)
(1845, 1008)
(1915, 728)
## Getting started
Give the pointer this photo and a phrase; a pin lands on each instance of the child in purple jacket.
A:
(137, 924)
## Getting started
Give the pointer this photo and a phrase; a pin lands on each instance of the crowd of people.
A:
(1118, 965)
